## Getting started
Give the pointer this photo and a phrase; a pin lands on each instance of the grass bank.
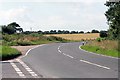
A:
(7, 53)
(29, 39)
(106, 47)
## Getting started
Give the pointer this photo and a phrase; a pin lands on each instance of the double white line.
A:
(19, 72)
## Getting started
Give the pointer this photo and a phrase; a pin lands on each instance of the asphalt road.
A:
(61, 60)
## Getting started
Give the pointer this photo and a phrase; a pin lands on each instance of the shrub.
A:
(24, 43)
(103, 34)
(99, 39)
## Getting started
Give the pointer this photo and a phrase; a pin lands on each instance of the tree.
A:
(59, 32)
(40, 32)
(94, 31)
(73, 32)
(81, 32)
(103, 34)
(88, 32)
(53, 32)
(19, 29)
(11, 28)
(4, 30)
(113, 19)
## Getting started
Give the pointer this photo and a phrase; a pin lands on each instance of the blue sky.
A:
(78, 15)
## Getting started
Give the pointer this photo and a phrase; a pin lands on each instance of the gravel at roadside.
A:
(23, 49)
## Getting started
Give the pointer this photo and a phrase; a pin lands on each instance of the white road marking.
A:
(59, 51)
(84, 60)
(19, 72)
(94, 64)
(17, 69)
(69, 56)
(58, 47)
(98, 54)
(64, 54)
(31, 49)
(25, 54)
(27, 68)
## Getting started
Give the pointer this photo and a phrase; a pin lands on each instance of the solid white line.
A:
(31, 49)
(94, 64)
(98, 54)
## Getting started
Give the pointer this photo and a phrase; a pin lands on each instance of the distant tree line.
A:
(15, 28)
(60, 32)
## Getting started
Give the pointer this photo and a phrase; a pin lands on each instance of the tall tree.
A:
(113, 18)
(11, 28)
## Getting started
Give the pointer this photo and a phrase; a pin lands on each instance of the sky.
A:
(35, 15)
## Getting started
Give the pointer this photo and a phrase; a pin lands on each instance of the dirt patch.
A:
(23, 49)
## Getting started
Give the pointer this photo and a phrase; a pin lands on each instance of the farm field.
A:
(77, 37)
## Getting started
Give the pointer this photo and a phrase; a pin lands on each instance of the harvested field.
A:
(77, 37)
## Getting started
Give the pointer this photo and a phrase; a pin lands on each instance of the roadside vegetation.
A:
(23, 40)
(104, 47)
(13, 35)
(29, 39)
(8, 53)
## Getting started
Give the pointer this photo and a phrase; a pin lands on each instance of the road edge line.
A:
(30, 50)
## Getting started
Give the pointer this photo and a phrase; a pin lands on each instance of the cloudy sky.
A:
(79, 15)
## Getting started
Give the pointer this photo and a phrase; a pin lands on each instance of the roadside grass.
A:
(29, 39)
(8, 53)
(105, 47)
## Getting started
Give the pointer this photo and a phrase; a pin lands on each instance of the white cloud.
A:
(72, 16)
(12, 13)
(84, 1)
(54, 20)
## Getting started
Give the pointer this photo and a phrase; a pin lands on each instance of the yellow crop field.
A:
(77, 37)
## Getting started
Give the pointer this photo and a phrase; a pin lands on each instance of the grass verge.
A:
(8, 53)
(99, 50)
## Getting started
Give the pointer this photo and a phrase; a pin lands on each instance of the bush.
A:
(99, 39)
(103, 34)
(35, 34)
(54, 38)
(24, 43)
